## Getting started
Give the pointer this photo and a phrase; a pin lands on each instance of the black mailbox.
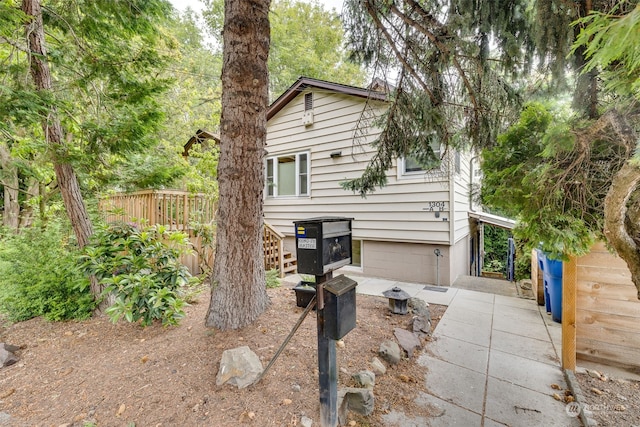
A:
(339, 307)
(323, 244)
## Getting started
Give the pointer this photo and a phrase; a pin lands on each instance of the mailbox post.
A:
(322, 245)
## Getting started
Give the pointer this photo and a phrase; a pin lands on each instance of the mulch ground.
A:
(95, 373)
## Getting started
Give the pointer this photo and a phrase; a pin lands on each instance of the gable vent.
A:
(308, 101)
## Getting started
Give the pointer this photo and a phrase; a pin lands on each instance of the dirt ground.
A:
(94, 373)
(613, 401)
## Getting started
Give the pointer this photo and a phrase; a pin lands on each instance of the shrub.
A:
(39, 275)
(140, 267)
(272, 279)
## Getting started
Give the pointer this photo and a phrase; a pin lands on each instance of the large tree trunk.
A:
(65, 175)
(239, 293)
(618, 213)
(625, 182)
(10, 182)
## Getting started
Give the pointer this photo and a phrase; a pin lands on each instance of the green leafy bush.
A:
(39, 275)
(140, 267)
(272, 279)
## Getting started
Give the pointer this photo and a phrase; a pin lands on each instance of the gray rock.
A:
(390, 351)
(6, 420)
(358, 400)
(378, 367)
(9, 347)
(366, 379)
(343, 408)
(306, 422)
(408, 340)
(239, 366)
(419, 307)
(421, 325)
(7, 357)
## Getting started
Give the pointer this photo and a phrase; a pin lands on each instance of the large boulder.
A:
(239, 366)
(390, 351)
(408, 340)
(7, 356)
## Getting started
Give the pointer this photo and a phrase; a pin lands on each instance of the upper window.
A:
(410, 165)
(288, 175)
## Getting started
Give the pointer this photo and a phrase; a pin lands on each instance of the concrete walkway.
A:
(492, 361)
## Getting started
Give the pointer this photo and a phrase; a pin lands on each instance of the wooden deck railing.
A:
(273, 245)
(177, 210)
(174, 209)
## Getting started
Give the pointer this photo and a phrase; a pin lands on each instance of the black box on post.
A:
(339, 307)
(323, 244)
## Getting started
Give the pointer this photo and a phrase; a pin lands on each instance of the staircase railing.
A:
(273, 245)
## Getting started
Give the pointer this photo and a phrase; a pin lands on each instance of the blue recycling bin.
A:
(552, 277)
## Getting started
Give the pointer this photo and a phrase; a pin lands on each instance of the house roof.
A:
(496, 220)
(306, 82)
(199, 137)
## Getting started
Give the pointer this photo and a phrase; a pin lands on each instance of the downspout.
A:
(478, 260)
(471, 209)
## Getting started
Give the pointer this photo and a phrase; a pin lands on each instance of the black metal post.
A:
(327, 366)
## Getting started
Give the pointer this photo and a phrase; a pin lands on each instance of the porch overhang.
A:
(487, 218)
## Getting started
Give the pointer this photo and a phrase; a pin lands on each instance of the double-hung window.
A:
(288, 175)
(410, 165)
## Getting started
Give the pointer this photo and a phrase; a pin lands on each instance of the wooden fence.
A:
(600, 311)
(177, 210)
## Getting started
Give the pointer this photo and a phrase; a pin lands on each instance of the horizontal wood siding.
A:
(393, 213)
(461, 189)
(608, 311)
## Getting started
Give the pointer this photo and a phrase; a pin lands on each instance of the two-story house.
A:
(417, 228)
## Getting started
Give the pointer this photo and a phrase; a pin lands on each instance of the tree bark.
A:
(65, 175)
(624, 183)
(10, 182)
(239, 293)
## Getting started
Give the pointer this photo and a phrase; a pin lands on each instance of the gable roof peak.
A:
(307, 82)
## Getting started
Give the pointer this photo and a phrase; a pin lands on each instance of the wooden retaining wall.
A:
(607, 311)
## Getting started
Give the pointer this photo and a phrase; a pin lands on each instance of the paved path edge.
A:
(574, 386)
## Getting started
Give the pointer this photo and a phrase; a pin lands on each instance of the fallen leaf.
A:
(556, 396)
(569, 399)
(596, 391)
(555, 386)
(7, 393)
(144, 359)
(121, 410)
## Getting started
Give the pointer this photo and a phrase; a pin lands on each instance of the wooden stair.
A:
(290, 263)
(275, 257)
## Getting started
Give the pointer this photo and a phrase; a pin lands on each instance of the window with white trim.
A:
(288, 175)
(410, 165)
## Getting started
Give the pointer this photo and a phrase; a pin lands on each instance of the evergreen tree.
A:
(306, 40)
(94, 70)
(239, 294)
